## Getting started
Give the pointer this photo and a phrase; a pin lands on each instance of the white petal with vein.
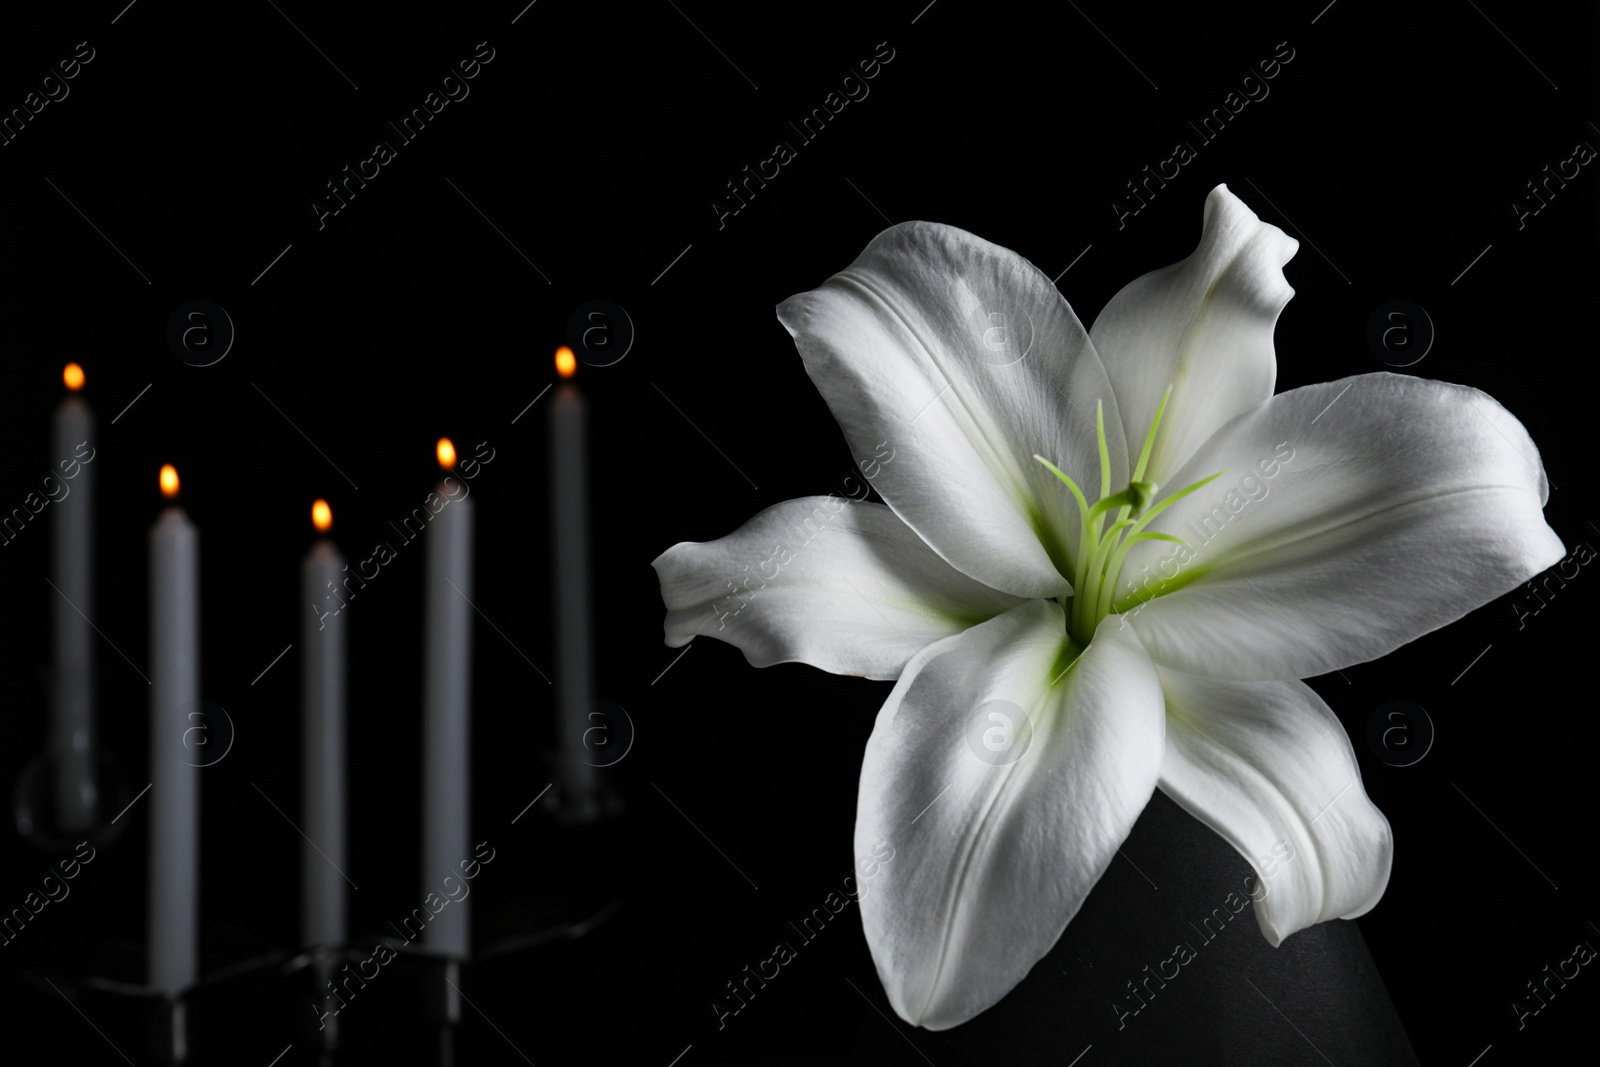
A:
(1204, 326)
(841, 585)
(963, 358)
(989, 862)
(1355, 516)
(1269, 767)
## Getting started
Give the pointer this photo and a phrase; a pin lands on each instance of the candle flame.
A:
(169, 480)
(322, 516)
(73, 376)
(447, 453)
(566, 362)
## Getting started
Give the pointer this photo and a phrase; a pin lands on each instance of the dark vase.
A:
(1236, 1002)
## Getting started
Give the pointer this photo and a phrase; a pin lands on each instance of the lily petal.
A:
(963, 358)
(841, 585)
(1204, 326)
(989, 862)
(1269, 767)
(1394, 506)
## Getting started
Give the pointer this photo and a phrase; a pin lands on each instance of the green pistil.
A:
(1136, 496)
(1101, 553)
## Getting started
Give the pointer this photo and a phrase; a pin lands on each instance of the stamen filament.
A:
(1104, 550)
(1149, 443)
(1108, 590)
(1085, 540)
(1101, 553)
(1150, 438)
(1124, 498)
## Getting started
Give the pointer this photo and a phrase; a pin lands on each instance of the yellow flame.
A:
(322, 516)
(447, 453)
(169, 480)
(566, 362)
(73, 376)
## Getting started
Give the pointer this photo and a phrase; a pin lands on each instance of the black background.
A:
(595, 141)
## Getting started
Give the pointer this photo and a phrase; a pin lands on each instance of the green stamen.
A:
(1101, 553)
(1083, 515)
(1103, 603)
(1150, 438)
(1149, 441)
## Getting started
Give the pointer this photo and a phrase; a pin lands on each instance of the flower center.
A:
(1101, 549)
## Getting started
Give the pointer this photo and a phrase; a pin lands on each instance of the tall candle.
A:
(569, 535)
(72, 571)
(322, 692)
(173, 907)
(446, 711)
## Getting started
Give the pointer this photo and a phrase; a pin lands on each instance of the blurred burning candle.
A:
(322, 692)
(447, 708)
(173, 907)
(569, 536)
(72, 572)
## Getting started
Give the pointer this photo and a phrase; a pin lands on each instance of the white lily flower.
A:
(1153, 637)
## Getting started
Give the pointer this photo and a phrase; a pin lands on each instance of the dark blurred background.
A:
(583, 165)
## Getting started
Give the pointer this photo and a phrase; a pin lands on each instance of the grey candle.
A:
(322, 695)
(446, 711)
(72, 572)
(173, 906)
(569, 536)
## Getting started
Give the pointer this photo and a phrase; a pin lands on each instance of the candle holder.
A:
(122, 1009)
(332, 979)
(577, 829)
(582, 803)
(583, 791)
(153, 1028)
(579, 835)
(319, 966)
(441, 992)
(38, 811)
(139, 1019)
